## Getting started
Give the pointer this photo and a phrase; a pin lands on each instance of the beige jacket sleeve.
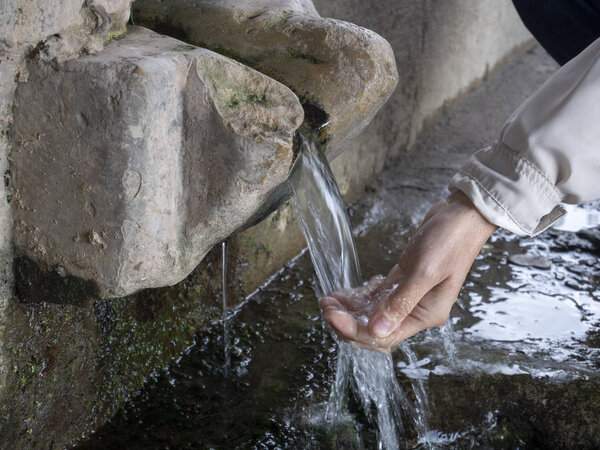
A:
(548, 152)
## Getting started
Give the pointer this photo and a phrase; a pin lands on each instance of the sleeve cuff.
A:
(509, 191)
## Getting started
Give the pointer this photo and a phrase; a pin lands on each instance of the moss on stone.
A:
(277, 19)
(250, 99)
(261, 251)
(233, 101)
(75, 360)
(228, 53)
(291, 52)
(115, 34)
(324, 136)
(183, 48)
(254, 99)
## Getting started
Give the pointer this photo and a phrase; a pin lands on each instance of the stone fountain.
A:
(131, 146)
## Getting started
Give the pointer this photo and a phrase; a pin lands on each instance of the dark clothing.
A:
(563, 27)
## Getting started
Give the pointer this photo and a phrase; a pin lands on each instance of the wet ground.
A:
(516, 367)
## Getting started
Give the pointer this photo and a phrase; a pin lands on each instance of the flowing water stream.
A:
(225, 312)
(370, 374)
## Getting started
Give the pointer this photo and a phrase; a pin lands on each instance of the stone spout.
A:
(128, 165)
(341, 72)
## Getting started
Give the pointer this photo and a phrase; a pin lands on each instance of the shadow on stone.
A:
(36, 285)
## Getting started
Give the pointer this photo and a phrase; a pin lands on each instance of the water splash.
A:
(449, 346)
(421, 413)
(327, 231)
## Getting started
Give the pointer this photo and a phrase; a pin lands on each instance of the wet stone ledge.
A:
(518, 411)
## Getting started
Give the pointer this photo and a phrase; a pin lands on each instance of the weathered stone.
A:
(73, 364)
(341, 72)
(26, 23)
(59, 30)
(129, 165)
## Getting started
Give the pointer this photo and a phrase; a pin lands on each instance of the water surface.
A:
(508, 320)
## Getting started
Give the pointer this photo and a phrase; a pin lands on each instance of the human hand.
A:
(420, 290)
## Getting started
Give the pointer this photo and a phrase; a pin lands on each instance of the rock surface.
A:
(522, 411)
(27, 23)
(146, 155)
(59, 30)
(341, 72)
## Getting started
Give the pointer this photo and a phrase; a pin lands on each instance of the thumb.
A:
(399, 303)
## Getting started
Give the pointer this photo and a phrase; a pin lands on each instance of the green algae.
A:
(296, 54)
(183, 48)
(115, 34)
(75, 359)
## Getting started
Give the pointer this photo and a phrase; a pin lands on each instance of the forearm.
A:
(548, 152)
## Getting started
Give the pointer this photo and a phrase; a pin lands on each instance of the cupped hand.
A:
(420, 290)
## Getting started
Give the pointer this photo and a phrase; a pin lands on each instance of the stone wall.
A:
(64, 29)
(443, 48)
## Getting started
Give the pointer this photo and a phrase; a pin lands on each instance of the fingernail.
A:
(382, 327)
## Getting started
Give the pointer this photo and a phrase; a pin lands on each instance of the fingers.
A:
(431, 311)
(390, 313)
(347, 325)
(421, 319)
(413, 325)
(336, 314)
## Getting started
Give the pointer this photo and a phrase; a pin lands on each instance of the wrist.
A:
(469, 216)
